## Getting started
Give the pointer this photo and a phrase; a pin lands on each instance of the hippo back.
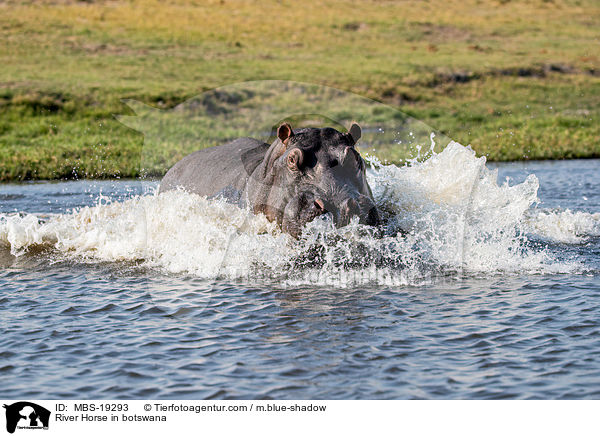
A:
(217, 171)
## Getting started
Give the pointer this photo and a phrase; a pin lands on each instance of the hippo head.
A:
(310, 172)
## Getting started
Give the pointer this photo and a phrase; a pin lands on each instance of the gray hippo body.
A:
(217, 170)
(300, 176)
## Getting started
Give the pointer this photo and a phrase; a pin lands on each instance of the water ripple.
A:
(121, 330)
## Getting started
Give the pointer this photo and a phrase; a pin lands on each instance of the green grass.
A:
(515, 79)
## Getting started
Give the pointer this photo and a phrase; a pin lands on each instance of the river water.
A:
(484, 285)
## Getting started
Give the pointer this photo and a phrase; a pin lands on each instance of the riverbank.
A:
(515, 80)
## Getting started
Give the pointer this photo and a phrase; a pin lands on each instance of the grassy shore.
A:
(515, 79)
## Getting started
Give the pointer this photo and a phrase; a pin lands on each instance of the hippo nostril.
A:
(350, 206)
(373, 218)
(320, 205)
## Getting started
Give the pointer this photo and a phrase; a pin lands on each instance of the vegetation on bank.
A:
(515, 79)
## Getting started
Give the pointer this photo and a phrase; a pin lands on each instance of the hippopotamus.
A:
(303, 174)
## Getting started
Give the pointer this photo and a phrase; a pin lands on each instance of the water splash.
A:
(564, 226)
(446, 216)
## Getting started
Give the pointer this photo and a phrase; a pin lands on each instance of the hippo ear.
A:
(277, 149)
(355, 132)
(284, 132)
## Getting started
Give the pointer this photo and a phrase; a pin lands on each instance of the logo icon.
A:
(26, 415)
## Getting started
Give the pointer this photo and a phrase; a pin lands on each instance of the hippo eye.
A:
(295, 159)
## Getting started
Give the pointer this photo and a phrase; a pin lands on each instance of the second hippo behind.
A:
(302, 175)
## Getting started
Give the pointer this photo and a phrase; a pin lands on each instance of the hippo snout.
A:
(361, 207)
(306, 206)
(303, 208)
